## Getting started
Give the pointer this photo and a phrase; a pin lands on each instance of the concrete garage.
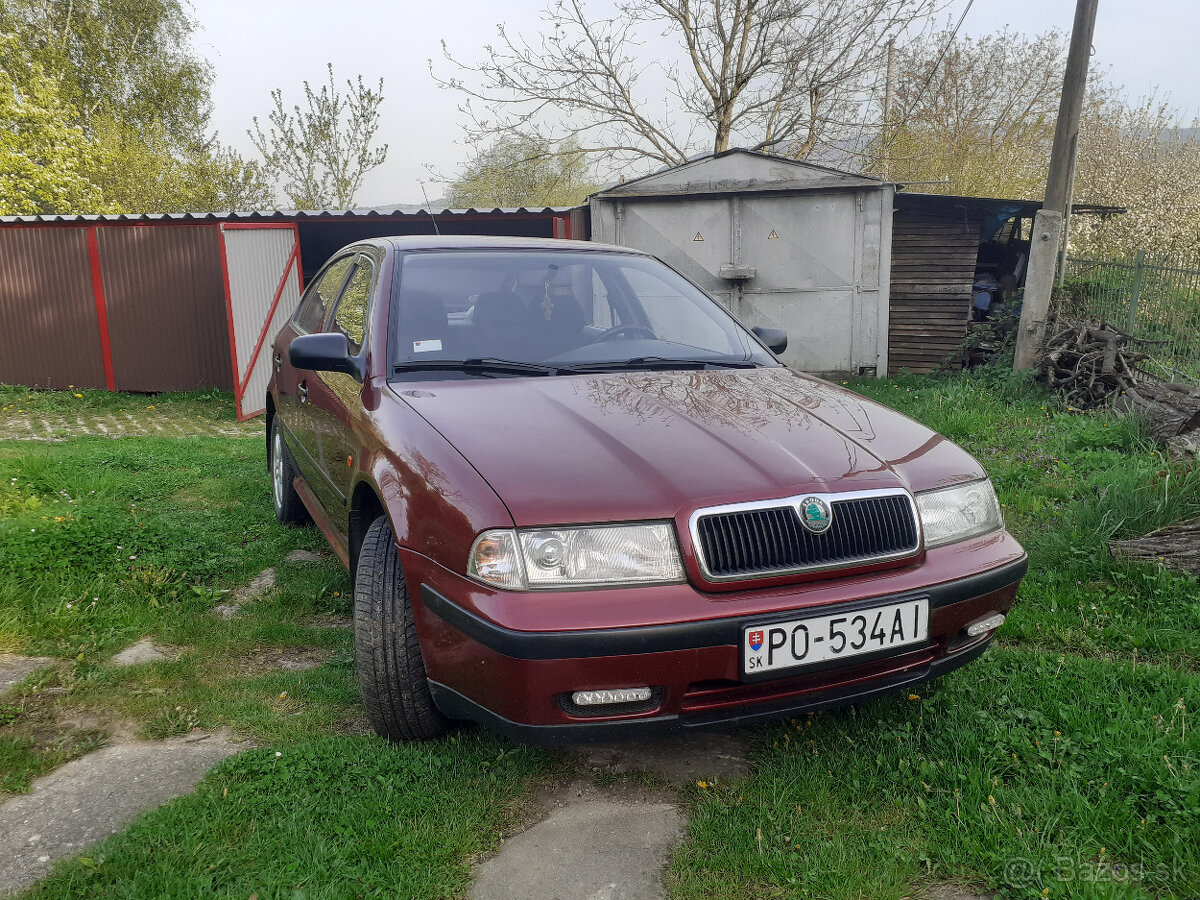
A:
(780, 242)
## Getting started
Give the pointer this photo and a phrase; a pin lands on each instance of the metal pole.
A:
(1066, 235)
(1048, 222)
(889, 96)
(1136, 293)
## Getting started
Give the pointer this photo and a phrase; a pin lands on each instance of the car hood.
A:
(650, 445)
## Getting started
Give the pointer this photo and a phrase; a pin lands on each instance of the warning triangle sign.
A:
(772, 236)
(698, 237)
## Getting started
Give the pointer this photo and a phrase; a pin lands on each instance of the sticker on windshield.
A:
(426, 346)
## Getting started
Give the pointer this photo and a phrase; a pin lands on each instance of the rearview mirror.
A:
(774, 338)
(325, 352)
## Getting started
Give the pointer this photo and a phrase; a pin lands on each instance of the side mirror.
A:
(774, 338)
(328, 351)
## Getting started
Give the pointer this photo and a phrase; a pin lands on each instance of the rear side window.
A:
(322, 295)
(351, 315)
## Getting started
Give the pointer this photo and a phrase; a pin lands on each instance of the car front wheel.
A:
(387, 654)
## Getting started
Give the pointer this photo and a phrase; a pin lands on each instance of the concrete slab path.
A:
(14, 669)
(608, 843)
(93, 797)
(592, 850)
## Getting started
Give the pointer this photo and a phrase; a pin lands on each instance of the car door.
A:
(335, 398)
(295, 385)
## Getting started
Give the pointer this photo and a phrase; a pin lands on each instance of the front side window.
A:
(558, 308)
(321, 296)
(351, 315)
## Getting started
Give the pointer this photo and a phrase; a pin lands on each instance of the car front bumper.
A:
(516, 681)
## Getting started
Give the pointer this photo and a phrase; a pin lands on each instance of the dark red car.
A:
(578, 498)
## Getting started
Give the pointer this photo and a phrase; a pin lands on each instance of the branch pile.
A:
(1092, 362)
(1089, 361)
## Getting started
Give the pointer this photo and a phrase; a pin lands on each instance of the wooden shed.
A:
(940, 245)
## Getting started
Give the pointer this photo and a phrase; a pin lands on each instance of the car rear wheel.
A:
(289, 508)
(387, 654)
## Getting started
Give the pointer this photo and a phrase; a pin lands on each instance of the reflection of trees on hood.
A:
(729, 401)
(749, 404)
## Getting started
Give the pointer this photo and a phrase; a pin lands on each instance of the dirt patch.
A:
(281, 659)
(355, 725)
(89, 721)
(299, 556)
(679, 759)
(327, 621)
(954, 892)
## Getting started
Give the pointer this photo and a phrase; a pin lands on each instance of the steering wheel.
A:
(624, 328)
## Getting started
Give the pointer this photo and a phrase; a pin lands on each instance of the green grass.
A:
(1062, 764)
(1069, 482)
(1004, 775)
(323, 817)
(109, 541)
(209, 404)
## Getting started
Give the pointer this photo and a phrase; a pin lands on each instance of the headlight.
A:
(958, 513)
(596, 556)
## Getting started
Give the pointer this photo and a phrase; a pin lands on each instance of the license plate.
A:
(817, 639)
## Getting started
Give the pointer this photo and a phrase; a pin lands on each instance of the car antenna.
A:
(429, 209)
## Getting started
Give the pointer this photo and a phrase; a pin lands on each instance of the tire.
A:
(289, 508)
(387, 654)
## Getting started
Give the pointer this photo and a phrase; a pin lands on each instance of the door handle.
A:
(302, 390)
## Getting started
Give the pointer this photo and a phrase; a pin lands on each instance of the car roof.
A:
(491, 242)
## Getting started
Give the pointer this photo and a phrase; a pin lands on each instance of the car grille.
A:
(750, 541)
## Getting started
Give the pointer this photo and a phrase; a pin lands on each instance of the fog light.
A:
(984, 625)
(603, 698)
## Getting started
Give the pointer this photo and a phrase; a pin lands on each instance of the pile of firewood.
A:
(1089, 361)
(1093, 363)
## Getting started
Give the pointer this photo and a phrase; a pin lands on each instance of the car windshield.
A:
(556, 311)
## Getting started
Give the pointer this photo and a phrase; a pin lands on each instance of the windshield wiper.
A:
(659, 362)
(478, 365)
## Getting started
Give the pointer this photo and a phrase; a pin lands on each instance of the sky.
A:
(256, 46)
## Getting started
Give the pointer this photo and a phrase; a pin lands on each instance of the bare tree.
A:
(784, 75)
(324, 151)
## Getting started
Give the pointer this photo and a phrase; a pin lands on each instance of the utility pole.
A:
(1048, 223)
(889, 96)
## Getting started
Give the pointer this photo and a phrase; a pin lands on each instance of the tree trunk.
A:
(1176, 547)
(721, 141)
(1167, 410)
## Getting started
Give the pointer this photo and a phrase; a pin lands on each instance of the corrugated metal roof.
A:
(281, 215)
